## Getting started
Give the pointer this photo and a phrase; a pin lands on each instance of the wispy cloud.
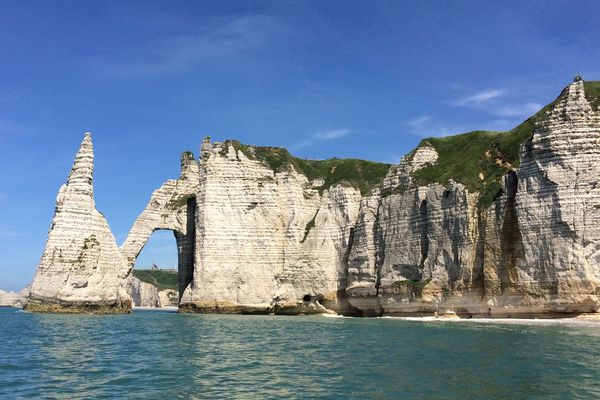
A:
(428, 126)
(479, 98)
(215, 40)
(320, 137)
(334, 134)
(419, 120)
(517, 110)
(499, 102)
(9, 128)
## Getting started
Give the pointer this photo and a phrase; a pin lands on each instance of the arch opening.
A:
(156, 261)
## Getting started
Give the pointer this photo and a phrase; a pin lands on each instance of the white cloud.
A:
(499, 102)
(479, 98)
(419, 121)
(334, 134)
(320, 137)
(427, 127)
(516, 110)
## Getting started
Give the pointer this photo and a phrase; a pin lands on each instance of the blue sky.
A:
(150, 79)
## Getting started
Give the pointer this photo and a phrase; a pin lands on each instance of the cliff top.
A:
(479, 159)
(362, 174)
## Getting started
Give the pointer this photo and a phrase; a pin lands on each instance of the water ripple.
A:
(154, 355)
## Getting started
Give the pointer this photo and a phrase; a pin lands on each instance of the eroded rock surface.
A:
(257, 235)
(82, 269)
(144, 294)
(14, 299)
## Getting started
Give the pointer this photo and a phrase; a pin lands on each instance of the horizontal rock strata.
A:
(82, 269)
(260, 232)
(144, 294)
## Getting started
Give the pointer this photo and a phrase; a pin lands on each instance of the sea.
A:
(165, 355)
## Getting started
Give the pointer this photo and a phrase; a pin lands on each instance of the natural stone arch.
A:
(171, 207)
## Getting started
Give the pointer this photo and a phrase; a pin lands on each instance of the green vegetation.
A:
(180, 201)
(162, 279)
(476, 159)
(592, 93)
(364, 175)
(464, 157)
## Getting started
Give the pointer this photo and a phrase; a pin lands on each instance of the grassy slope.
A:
(361, 174)
(592, 93)
(160, 278)
(461, 158)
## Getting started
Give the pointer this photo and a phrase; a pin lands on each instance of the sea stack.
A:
(82, 269)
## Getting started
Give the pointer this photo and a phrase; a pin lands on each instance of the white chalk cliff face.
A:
(255, 238)
(144, 294)
(267, 241)
(81, 269)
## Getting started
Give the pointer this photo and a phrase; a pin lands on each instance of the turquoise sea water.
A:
(159, 355)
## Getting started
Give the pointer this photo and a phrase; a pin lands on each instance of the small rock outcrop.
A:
(82, 269)
(144, 294)
(14, 299)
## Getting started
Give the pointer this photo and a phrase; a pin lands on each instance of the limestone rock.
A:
(168, 298)
(267, 241)
(557, 205)
(14, 299)
(144, 294)
(257, 238)
(81, 268)
(171, 207)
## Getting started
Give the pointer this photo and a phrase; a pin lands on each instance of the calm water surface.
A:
(157, 355)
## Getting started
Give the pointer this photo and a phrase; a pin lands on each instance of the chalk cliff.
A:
(484, 223)
(144, 294)
(14, 299)
(81, 269)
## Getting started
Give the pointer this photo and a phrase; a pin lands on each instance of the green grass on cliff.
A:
(162, 279)
(592, 93)
(464, 157)
(362, 174)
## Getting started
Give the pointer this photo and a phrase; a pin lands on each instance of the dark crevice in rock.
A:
(424, 233)
(511, 247)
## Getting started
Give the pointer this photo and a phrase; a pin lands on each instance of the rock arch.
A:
(171, 207)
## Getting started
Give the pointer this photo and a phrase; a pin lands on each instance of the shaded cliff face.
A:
(533, 250)
(484, 223)
(558, 207)
(81, 268)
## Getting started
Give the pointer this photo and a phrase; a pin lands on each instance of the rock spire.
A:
(81, 268)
